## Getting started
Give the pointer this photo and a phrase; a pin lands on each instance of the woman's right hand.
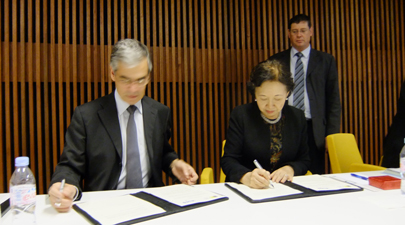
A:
(258, 178)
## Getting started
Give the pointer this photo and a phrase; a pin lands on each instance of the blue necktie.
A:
(299, 83)
(134, 172)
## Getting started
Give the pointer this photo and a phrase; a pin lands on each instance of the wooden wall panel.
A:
(55, 55)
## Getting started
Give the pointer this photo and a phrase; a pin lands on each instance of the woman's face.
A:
(270, 97)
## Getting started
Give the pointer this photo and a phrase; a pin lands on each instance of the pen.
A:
(257, 164)
(62, 185)
(358, 176)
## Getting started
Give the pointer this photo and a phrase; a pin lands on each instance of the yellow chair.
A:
(207, 175)
(344, 154)
(381, 160)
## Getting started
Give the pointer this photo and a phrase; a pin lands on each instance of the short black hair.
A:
(270, 70)
(299, 18)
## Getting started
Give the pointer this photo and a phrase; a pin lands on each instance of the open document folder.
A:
(279, 190)
(148, 204)
(322, 183)
(301, 187)
(4, 204)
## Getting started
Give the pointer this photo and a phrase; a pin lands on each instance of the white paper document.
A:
(183, 195)
(322, 183)
(119, 209)
(347, 178)
(279, 190)
(393, 172)
(4, 197)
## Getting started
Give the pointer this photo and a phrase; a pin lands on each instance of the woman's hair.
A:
(131, 52)
(270, 70)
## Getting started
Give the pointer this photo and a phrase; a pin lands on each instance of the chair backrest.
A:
(343, 152)
(222, 176)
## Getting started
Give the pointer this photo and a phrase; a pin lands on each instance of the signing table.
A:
(371, 206)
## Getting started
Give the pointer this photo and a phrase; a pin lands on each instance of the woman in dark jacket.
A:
(268, 130)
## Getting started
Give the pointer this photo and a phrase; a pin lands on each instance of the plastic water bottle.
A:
(23, 193)
(402, 168)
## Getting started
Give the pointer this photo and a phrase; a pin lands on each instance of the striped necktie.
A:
(134, 172)
(299, 83)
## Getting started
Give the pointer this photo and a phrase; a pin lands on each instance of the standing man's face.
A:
(300, 35)
(131, 81)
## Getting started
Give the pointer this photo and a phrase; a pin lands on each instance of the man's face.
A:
(300, 35)
(131, 81)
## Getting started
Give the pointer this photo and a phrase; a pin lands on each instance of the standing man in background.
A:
(394, 141)
(119, 141)
(316, 88)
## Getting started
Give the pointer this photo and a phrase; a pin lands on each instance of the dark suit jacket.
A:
(394, 141)
(248, 138)
(93, 145)
(323, 92)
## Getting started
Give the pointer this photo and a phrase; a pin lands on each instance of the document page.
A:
(347, 178)
(259, 194)
(119, 209)
(4, 197)
(183, 195)
(393, 172)
(322, 183)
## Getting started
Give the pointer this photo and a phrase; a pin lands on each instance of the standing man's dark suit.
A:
(322, 89)
(323, 93)
(394, 141)
(96, 158)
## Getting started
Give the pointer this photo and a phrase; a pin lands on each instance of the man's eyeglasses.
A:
(141, 81)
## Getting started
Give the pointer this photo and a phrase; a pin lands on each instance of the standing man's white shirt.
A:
(305, 60)
(123, 116)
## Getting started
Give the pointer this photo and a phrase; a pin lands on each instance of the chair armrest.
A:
(207, 176)
(360, 167)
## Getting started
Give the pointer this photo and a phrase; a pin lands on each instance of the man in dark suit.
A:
(120, 140)
(315, 75)
(394, 141)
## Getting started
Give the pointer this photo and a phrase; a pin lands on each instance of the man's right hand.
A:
(62, 201)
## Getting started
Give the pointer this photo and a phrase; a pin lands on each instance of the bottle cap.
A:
(22, 161)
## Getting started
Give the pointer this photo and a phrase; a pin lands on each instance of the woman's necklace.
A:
(269, 120)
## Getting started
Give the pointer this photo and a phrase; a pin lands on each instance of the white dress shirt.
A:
(305, 60)
(123, 116)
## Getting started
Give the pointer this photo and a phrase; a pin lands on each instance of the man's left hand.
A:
(184, 172)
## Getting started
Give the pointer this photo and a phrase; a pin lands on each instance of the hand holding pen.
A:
(283, 174)
(258, 166)
(61, 196)
(258, 178)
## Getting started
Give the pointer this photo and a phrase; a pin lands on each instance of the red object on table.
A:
(385, 182)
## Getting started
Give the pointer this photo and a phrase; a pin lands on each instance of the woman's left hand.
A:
(283, 174)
